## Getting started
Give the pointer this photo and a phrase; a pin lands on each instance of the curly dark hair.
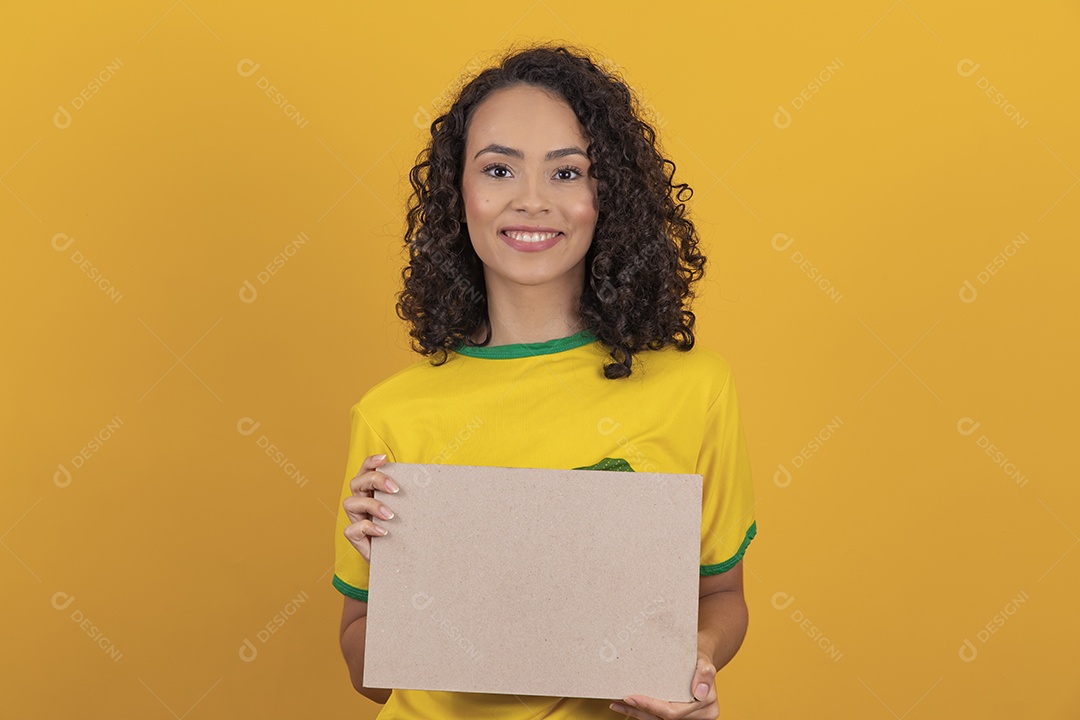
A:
(644, 254)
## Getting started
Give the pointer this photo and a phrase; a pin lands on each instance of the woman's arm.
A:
(722, 615)
(722, 622)
(353, 633)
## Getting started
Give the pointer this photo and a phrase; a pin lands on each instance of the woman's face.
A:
(530, 204)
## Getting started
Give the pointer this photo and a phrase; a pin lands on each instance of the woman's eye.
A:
(566, 173)
(492, 168)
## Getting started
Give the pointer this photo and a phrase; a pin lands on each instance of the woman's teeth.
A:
(529, 237)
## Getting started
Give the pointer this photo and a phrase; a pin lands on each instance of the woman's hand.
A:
(362, 507)
(705, 707)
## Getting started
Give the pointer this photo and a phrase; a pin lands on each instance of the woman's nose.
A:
(532, 194)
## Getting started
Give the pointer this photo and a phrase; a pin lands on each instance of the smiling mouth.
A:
(529, 237)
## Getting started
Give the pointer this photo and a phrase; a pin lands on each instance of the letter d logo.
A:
(606, 426)
(422, 118)
(781, 600)
(966, 426)
(248, 293)
(61, 242)
(247, 68)
(782, 118)
(62, 118)
(967, 67)
(61, 600)
(422, 478)
(782, 477)
(607, 291)
(968, 293)
(781, 238)
(246, 426)
(248, 651)
(62, 477)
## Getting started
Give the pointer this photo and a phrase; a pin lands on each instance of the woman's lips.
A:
(530, 246)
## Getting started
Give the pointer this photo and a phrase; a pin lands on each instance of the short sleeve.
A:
(727, 504)
(350, 567)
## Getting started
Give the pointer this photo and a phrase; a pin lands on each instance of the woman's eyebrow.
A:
(512, 152)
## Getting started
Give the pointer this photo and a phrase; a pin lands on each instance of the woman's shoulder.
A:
(410, 382)
(697, 375)
(699, 361)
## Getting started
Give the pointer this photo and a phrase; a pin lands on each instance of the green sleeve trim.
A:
(728, 564)
(346, 589)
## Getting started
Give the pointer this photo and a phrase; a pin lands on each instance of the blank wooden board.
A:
(569, 583)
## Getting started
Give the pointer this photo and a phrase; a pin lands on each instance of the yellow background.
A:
(882, 557)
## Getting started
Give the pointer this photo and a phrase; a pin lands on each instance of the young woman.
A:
(546, 238)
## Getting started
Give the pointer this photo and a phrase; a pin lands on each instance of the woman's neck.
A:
(502, 334)
(529, 314)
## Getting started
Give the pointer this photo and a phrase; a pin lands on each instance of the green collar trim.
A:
(522, 350)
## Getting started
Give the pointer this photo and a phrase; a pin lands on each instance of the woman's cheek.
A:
(585, 212)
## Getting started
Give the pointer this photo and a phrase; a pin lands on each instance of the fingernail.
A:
(618, 708)
(386, 513)
(380, 457)
(380, 530)
(702, 691)
(391, 486)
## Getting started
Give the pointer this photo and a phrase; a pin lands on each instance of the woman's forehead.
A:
(526, 119)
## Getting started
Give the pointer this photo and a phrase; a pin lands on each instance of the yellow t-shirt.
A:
(548, 405)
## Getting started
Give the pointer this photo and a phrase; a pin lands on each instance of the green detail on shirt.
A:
(346, 589)
(615, 464)
(522, 350)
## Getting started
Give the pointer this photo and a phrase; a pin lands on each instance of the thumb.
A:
(703, 679)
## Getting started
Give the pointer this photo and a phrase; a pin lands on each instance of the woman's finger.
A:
(371, 462)
(704, 683)
(366, 481)
(358, 534)
(355, 535)
(362, 507)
